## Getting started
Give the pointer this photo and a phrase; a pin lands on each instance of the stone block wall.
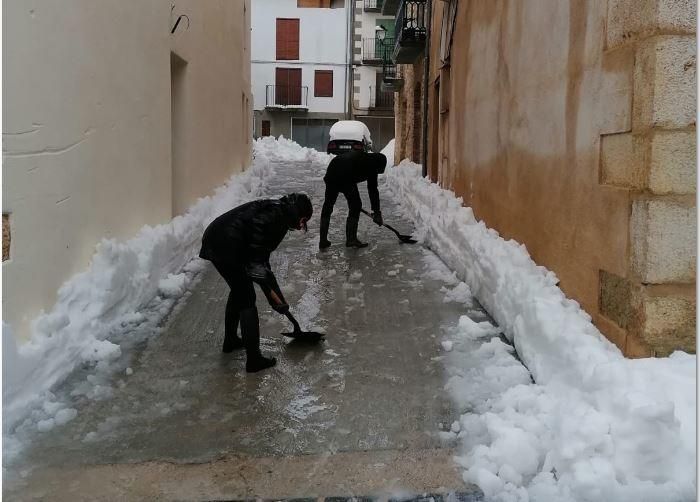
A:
(654, 157)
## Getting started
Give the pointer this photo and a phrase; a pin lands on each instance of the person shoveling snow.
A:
(239, 244)
(343, 174)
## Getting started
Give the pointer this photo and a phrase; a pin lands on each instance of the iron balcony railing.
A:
(380, 99)
(392, 77)
(286, 96)
(373, 5)
(389, 71)
(410, 30)
(376, 51)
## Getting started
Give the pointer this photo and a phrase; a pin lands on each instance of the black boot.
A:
(351, 239)
(250, 329)
(231, 340)
(323, 242)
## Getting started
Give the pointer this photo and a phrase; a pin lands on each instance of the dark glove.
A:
(377, 217)
(261, 274)
(280, 308)
(258, 272)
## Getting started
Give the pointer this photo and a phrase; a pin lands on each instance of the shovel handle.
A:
(294, 322)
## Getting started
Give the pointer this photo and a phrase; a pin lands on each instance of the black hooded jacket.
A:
(250, 232)
(356, 167)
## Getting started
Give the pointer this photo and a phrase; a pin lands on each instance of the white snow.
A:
(446, 345)
(459, 294)
(388, 152)
(127, 283)
(594, 425)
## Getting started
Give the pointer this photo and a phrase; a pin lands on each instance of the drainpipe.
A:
(426, 76)
(350, 40)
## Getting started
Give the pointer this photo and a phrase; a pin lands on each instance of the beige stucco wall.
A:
(569, 126)
(87, 128)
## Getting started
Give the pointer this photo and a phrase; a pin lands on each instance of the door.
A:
(288, 86)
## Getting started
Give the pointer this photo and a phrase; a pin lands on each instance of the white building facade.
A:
(373, 43)
(300, 68)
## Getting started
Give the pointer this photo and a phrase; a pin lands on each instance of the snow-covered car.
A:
(349, 135)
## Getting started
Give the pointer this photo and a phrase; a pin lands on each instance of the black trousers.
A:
(241, 296)
(352, 196)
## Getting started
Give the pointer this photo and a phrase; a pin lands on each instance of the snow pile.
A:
(127, 284)
(388, 152)
(269, 149)
(594, 426)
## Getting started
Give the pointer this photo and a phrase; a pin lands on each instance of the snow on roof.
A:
(350, 129)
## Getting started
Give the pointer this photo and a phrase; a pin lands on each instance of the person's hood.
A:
(296, 206)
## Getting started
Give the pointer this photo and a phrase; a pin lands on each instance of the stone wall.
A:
(569, 126)
(655, 160)
(408, 112)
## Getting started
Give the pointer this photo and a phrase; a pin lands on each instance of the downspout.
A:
(426, 77)
(348, 57)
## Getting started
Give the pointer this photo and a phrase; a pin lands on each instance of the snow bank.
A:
(388, 152)
(125, 279)
(595, 425)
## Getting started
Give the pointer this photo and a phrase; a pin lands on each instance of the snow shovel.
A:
(298, 334)
(407, 239)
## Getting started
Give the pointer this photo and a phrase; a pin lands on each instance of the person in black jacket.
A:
(239, 244)
(342, 176)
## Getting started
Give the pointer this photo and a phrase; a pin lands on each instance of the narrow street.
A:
(360, 414)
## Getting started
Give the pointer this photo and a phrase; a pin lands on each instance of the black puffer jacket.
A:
(356, 167)
(249, 233)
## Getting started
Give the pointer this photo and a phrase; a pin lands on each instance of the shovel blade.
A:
(305, 336)
(407, 239)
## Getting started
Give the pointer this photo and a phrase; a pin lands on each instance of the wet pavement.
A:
(358, 414)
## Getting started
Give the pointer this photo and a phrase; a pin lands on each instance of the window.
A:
(244, 114)
(323, 83)
(447, 29)
(288, 86)
(6, 237)
(287, 39)
(265, 128)
(324, 4)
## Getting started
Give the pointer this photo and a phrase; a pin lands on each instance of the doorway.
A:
(177, 136)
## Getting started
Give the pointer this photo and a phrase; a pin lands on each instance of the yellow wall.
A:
(87, 128)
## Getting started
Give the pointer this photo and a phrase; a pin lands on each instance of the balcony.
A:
(381, 100)
(392, 80)
(375, 51)
(287, 97)
(373, 5)
(411, 31)
(390, 7)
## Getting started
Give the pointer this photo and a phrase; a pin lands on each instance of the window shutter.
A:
(323, 83)
(287, 39)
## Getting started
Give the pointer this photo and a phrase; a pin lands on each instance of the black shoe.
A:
(231, 344)
(356, 244)
(323, 242)
(351, 239)
(259, 363)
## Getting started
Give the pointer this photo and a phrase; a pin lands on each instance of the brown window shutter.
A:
(323, 83)
(288, 86)
(265, 128)
(287, 39)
